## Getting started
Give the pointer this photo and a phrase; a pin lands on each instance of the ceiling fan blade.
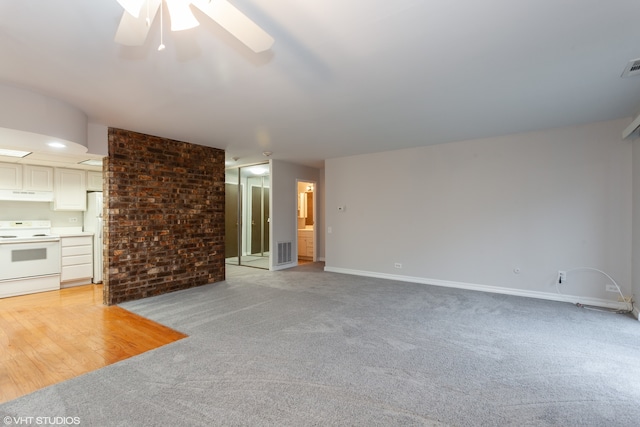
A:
(133, 31)
(180, 15)
(237, 23)
(132, 6)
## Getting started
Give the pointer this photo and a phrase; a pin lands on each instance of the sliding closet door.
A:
(247, 228)
(231, 217)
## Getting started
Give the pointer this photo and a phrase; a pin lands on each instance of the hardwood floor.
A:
(53, 336)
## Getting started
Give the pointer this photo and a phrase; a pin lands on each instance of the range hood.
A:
(26, 196)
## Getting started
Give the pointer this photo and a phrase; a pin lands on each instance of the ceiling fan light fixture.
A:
(133, 7)
(181, 16)
(135, 24)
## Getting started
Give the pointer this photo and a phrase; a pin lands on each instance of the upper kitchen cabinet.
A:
(70, 190)
(10, 176)
(37, 178)
(94, 181)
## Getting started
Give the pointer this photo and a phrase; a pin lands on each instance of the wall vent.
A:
(632, 68)
(284, 253)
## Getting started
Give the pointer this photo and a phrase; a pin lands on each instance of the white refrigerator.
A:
(93, 224)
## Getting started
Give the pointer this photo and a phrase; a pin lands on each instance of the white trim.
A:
(315, 217)
(636, 312)
(486, 288)
(283, 266)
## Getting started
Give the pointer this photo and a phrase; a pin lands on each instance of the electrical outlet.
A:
(611, 288)
(398, 265)
(74, 219)
(562, 277)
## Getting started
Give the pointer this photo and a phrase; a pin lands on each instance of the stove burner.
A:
(8, 237)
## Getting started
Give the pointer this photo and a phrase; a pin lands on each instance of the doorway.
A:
(306, 214)
(247, 216)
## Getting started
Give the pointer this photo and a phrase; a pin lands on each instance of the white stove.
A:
(26, 231)
(29, 256)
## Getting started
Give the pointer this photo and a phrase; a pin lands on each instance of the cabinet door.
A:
(10, 176)
(302, 245)
(76, 258)
(94, 181)
(310, 247)
(38, 178)
(70, 190)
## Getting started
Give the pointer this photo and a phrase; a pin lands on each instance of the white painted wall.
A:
(468, 213)
(29, 111)
(636, 224)
(284, 199)
(10, 210)
(98, 139)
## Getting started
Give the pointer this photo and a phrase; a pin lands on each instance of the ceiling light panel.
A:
(91, 162)
(14, 153)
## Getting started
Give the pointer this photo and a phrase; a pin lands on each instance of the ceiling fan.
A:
(139, 14)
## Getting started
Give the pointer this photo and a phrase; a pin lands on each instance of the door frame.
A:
(243, 214)
(315, 217)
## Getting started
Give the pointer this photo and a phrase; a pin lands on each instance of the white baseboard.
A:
(283, 266)
(289, 265)
(636, 312)
(597, 302)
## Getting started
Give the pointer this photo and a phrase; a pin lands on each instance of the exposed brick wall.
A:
(164, 216)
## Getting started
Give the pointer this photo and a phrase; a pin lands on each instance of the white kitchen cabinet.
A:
(77, 260)
(305, 244)
(37, 178)
(10, 176)
(70, 190)
(94, 181)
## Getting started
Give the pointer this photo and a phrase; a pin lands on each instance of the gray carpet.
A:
(303, 347)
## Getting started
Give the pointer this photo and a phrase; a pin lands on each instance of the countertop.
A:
(77, 234)
(70, 231)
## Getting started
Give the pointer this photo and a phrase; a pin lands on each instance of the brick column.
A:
(164, 216)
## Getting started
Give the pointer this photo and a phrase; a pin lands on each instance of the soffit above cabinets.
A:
(42, 153)
(44, 159)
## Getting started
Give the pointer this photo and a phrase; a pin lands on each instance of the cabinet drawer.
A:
(75, 272)
(77, 259)
(76, 241)
(76, 250)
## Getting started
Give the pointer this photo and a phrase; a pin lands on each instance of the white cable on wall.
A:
(630, 304)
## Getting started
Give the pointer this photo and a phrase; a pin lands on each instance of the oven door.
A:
(29, 259)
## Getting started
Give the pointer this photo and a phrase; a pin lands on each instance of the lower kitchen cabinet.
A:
(305, 244)
(77, 260)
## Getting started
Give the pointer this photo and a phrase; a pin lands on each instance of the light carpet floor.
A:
(303, 347)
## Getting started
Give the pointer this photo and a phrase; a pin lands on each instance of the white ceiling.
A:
(343, 77)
